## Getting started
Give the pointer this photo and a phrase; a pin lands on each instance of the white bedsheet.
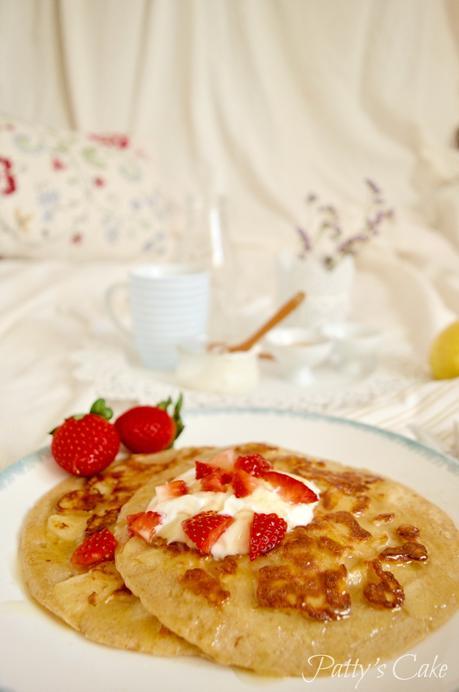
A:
(45, 312)
(48, 310)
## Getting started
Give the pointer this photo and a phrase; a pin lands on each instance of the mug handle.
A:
(110, 294)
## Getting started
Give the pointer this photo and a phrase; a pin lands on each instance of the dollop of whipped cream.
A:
(265, 499)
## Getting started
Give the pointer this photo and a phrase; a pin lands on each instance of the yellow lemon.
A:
(444, 353)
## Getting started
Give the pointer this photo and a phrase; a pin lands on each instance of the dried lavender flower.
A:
(330, 228)
(348, 247)
(373, 187)
(328, 261)
(305, 240)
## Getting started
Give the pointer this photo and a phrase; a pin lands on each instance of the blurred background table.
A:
(261, 102)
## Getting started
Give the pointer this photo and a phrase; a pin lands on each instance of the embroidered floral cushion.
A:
(66, 194)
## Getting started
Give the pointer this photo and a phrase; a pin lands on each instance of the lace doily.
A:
(116, 375)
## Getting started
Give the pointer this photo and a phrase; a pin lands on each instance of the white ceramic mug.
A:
(169, 303)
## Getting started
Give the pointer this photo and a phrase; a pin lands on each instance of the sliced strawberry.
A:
(289, 488)
(212, 483)
(243, 483)
(177, 488)
(205, 529)
(172, 489)
(98, 547)
(254, 464)
(202, 469)
(226, 477)
(216, 482)
(213, 478)
(224, 460)
(143, 524)
(266, 532)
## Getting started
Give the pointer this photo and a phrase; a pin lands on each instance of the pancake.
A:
(95, 601)
(374, 572)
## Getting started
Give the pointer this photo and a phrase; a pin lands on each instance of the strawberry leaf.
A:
(177, 417)
(100, 408)
(164, 405)
(175, 414)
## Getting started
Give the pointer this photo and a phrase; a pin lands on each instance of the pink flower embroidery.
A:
(7, 179)
(116, 140)
(99, 182)
(58, 165)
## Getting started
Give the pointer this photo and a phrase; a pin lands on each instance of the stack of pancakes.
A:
(374, 572)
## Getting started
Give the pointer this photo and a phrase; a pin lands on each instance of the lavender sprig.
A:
(351, 244)
(373, 186)
(305, 241)
(329, 227)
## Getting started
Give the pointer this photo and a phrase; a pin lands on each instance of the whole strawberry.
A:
(87, 443)
(148, 429)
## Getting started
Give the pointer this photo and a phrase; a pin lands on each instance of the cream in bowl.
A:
(216, 369)
(297, 351)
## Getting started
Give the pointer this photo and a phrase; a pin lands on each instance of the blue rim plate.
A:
(434, 456)
(59, 654)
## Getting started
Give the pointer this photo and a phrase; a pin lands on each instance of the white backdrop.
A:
(263, 100)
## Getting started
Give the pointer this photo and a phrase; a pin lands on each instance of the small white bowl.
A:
(216, 370)
(353, 331)
(297, 351)
(355, 346)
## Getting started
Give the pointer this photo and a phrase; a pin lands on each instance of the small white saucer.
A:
(356, 346)
(297, 351)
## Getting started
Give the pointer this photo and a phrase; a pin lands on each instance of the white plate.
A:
(38, 654)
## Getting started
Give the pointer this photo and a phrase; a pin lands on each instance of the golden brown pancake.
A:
(373, 573)
(95, 601)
